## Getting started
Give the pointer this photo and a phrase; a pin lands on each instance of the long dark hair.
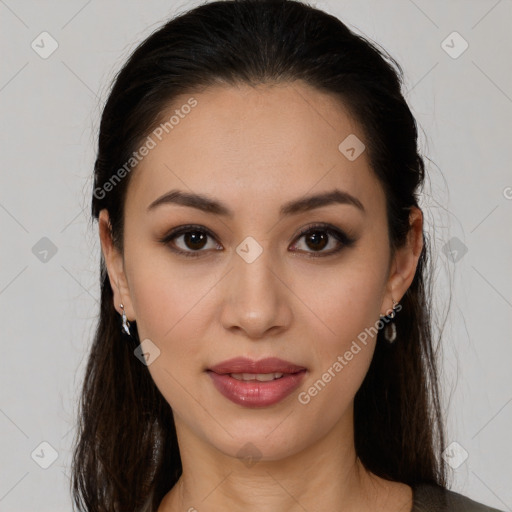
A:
(126, 451)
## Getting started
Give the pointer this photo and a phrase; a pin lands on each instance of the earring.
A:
(126, 324)
(390, 329)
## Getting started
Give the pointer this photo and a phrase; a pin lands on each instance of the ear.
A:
(115, 267)
(405, 261)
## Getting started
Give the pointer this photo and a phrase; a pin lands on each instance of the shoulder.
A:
(430, 498)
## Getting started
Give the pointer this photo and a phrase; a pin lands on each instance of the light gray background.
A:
(50, 112)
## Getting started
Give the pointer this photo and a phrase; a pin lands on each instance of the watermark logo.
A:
(304, 397)
(44, 455)
(455, 249)
(44, 45)
(150, 143)
(250, 454)
(147, 352)
(455, 455)
(249, 249)
(44, 250)
(351, 147)
(454, 45)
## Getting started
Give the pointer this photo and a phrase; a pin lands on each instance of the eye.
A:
(195, 238)
(320, 236)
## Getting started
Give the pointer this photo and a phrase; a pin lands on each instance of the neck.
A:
(326, 475)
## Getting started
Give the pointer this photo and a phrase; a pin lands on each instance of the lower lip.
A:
(254, 393)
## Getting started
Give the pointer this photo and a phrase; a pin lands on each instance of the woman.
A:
(264, 340)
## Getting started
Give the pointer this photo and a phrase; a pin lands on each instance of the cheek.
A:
(170, 310)
(342, 316)
(164, 292)
(343, 352)
(343, 303)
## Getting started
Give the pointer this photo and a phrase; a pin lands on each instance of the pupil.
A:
(193, 238)
(318, 236)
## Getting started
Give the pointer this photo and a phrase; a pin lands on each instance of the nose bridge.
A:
(255, 299)
(253, 270)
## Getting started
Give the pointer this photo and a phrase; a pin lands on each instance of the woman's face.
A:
(251, 285)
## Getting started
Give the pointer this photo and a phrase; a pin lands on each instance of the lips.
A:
(245, 365)
(280, 379)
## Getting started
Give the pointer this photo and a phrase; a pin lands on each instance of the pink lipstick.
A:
(256, 383)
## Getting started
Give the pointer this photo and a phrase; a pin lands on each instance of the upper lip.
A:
(245, 365)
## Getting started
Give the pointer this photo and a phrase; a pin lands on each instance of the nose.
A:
(256, 296)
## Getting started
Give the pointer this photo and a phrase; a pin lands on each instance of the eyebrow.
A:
(210, 205)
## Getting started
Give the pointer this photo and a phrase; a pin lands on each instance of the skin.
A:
(255, 149)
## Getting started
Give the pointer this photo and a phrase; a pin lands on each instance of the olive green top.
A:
(429, 498)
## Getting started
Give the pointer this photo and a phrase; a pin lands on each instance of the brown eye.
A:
(318, 237)
(193, 240)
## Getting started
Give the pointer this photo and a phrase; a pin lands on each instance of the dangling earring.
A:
(390, 329)
(126, 324)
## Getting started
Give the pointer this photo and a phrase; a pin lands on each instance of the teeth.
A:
(263, 377)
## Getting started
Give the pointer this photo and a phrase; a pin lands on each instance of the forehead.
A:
(252, 144)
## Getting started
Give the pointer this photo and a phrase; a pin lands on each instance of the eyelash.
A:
(344, 239)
